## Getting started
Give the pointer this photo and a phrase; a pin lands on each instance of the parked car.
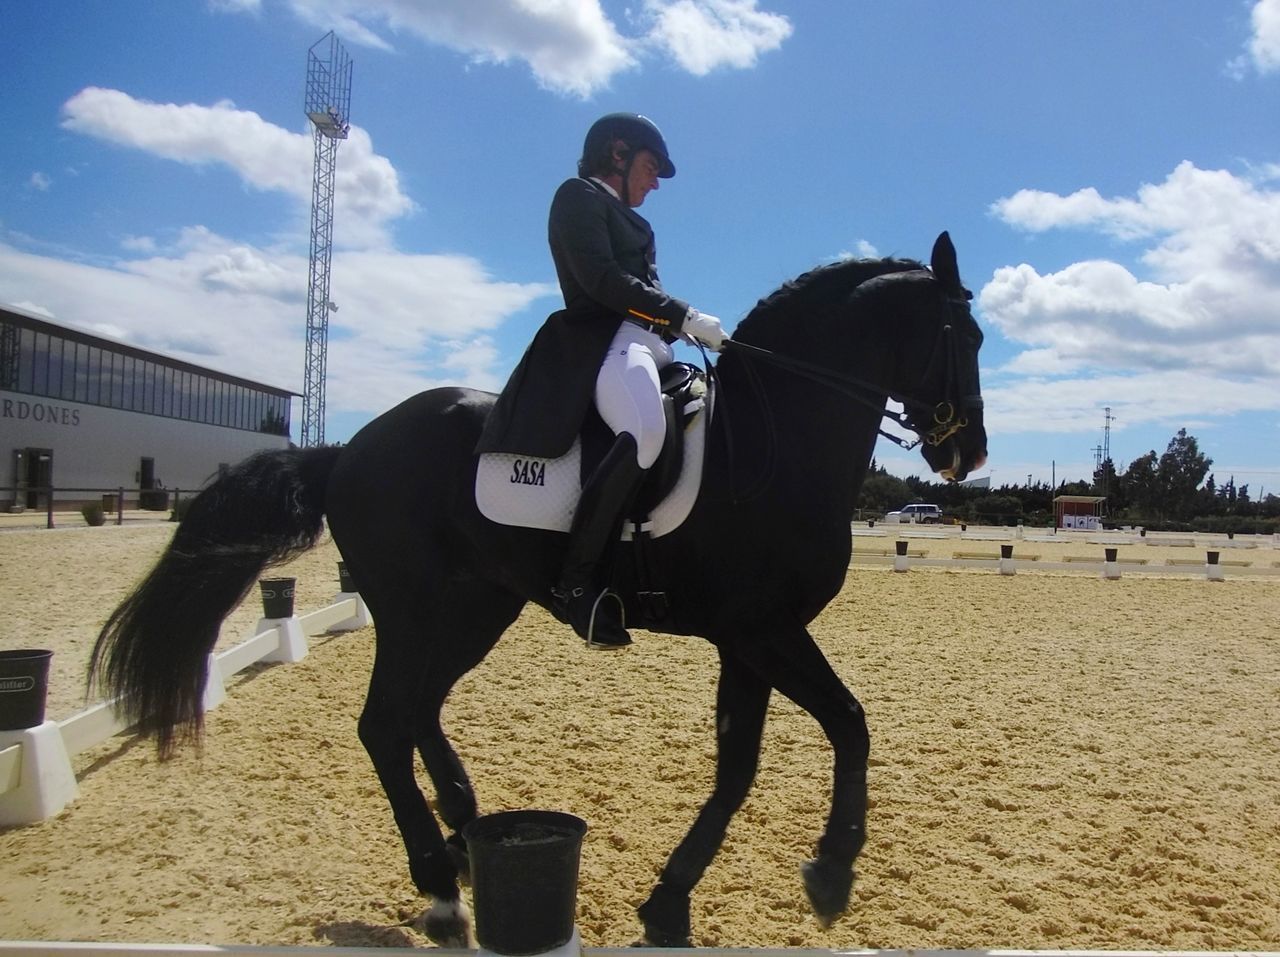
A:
(921, 514)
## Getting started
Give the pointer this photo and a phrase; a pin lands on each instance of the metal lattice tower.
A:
(328, 106)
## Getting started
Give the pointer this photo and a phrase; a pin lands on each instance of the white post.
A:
(900, 561)
(360, 619)
(1212, 570)
(1006, 560)
(293, 643)
(215, 691)
(46, 782)
(1110, 567)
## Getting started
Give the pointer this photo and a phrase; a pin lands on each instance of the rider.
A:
(607, 344)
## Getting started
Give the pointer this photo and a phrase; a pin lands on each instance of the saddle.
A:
(543, 493)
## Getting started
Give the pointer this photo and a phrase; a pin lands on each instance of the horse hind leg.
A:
(413, 675)
(386, 733)
(476, 618)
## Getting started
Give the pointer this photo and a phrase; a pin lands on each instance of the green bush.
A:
(93, 513)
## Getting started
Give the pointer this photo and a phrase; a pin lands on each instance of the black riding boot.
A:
(596, 613)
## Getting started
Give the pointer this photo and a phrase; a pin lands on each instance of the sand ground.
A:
(1057, 762)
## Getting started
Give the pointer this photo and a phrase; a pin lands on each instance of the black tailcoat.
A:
(605, 260)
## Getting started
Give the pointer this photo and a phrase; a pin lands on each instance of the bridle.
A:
(945, 418)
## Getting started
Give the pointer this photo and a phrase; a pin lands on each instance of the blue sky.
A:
(1109, 172)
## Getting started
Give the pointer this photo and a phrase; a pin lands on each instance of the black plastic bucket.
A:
(524, 879)
(24, 686)
(277, 597)
(346, 584)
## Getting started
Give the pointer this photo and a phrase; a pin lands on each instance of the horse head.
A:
(936, 372)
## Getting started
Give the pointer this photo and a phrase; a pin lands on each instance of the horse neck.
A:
(817, 439)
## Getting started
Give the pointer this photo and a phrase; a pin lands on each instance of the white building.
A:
(85, 415)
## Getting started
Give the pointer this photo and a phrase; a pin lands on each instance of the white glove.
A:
(705, 329)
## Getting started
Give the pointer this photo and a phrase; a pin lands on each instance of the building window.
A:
(40, 365)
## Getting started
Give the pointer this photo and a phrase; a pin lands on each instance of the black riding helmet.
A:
(638, 132)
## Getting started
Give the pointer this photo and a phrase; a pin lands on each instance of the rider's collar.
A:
(603, 185)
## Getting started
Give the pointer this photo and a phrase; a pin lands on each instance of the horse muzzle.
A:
(956, 443)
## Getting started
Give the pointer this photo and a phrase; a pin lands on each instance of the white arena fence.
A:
(1217, 556)
(36, 780)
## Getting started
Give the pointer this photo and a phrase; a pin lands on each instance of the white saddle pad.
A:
(543, 493)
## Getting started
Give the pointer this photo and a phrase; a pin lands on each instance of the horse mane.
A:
(820, 287)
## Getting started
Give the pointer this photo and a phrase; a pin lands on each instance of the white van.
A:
(920, 514)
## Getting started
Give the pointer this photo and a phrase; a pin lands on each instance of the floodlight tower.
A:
(328, 106)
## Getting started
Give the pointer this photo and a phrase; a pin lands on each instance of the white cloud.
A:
(704, 35)
(1073, 405)
(572, 47)
(862, 249)
(1212, 248)
(235, 6)
(367, 192)
(406, 323)
(1194, 339)
(138, 244)
(39, 181)
(1263, 48)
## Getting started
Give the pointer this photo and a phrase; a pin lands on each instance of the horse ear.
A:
(943, 262)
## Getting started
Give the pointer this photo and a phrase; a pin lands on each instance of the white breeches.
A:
(628, 393)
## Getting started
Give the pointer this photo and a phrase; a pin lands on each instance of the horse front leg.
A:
(742, 700)
(800, 671)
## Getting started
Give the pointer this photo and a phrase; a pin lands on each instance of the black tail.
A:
(153, 651)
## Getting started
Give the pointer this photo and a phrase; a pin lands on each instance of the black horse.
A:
(802, 389)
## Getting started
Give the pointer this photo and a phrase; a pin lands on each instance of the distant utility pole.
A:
(328, 106)
(1108, 418)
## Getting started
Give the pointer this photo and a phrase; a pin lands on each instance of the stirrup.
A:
(622, 619)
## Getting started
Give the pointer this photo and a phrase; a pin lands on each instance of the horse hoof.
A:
(665, 916)
(447, 924)
(828, 885)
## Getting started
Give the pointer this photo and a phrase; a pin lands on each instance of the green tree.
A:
(1107, 483)
(882, 492)
(1141, 488)
(1179, 473)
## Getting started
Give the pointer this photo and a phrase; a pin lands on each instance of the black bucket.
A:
(1006, 551)
(524, 879)
(277, 597)
(24, 686)
(1109, 554)
(346, 584)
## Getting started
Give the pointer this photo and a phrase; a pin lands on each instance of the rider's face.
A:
(643, 177)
